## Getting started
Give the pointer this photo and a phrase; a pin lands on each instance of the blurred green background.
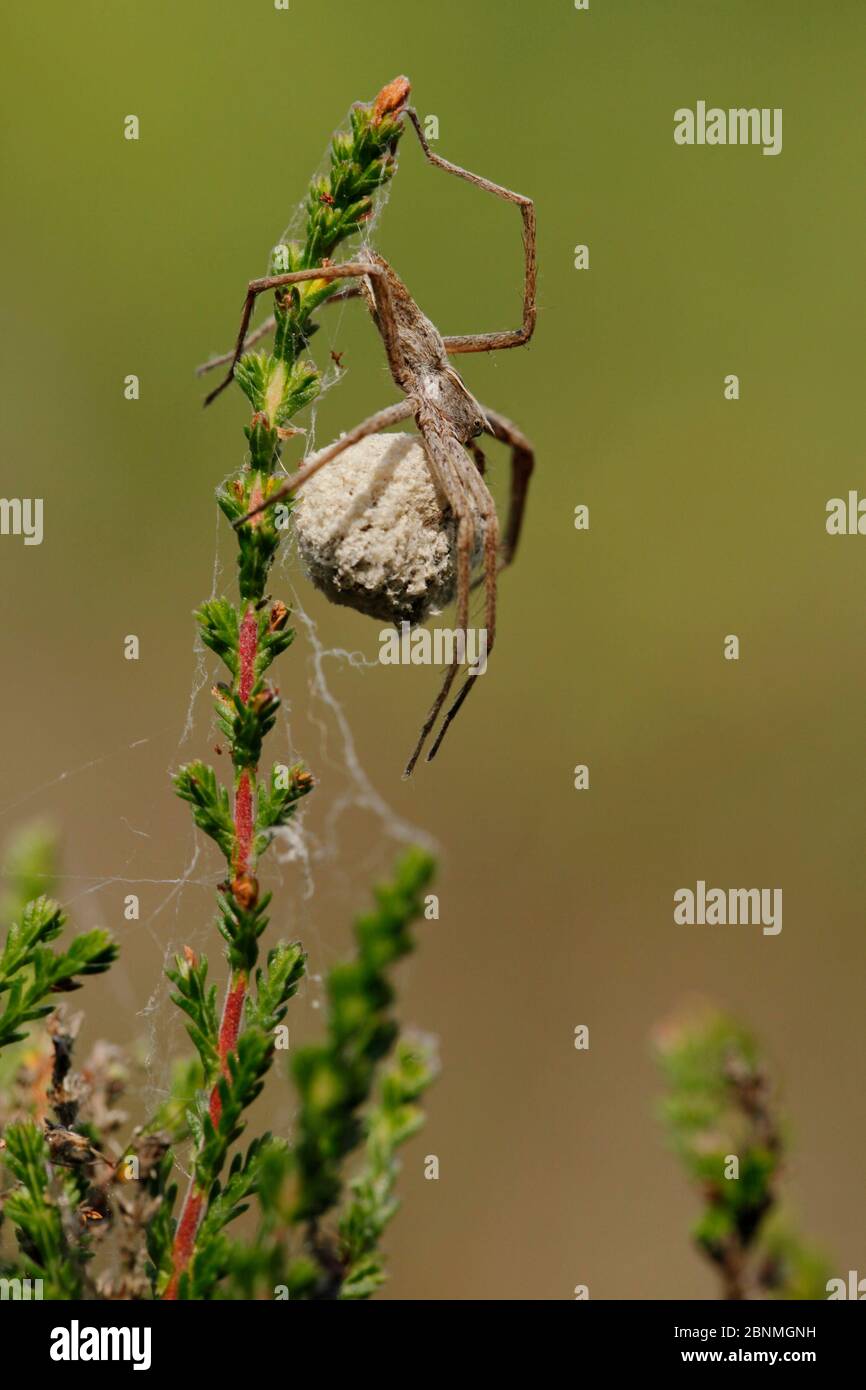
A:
(707, 518)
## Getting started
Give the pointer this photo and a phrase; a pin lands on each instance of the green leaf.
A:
(276, 985)
(36, 1217)
(248, 723)
(211, 808)
(274, 636)
(30, 971)
(41, 921)
(198, 1002)
(241, 927)
(277, 799)
(218, 623)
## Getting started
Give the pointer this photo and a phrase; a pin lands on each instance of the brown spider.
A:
(446, 413)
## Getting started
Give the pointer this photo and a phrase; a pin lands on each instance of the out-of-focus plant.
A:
(721, 1114)
(52, 1193)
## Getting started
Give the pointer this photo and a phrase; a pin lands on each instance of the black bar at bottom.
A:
(196, 1339)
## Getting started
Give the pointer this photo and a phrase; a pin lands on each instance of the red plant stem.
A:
(233, 1006)
(193, 1207)
(243, 823)
(247, 642)
(184, 1239)
(230, 1027)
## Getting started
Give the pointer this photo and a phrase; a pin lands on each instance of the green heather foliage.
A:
(719, 1106)
(36, 1214)
(335, 1078)
(31, 971)
(394, 1118)
(313, 1216)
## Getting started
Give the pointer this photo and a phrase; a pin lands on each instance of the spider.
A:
(448, 416)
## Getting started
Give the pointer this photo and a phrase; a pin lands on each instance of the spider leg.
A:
(447, 476)
(391, 415)
(490, 342)
(273, 282)
(268, 327)
(487, 509)
(522, 464)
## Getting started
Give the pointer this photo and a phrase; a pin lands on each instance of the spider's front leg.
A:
(349, 270)
(492, 342)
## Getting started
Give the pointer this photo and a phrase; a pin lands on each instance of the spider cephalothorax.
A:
(446, 413)
(416, 352)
